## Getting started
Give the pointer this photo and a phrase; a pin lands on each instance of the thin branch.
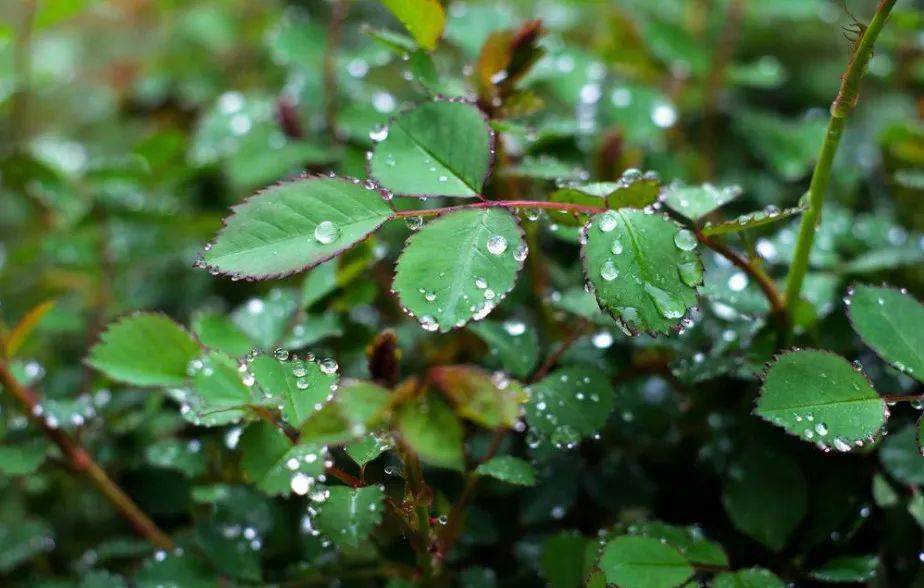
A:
(81, 461)
(766, 284)
(903, 397)
(560, 206)
(842, 106)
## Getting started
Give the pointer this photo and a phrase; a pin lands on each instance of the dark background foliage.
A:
(129, 128)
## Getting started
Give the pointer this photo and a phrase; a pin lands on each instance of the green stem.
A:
(842, 106)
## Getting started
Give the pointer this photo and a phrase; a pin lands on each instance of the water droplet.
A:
(609, 271)
(685, 240)
(520, 253)
(413, 222)
(281, 354)
(429, 323)
(602, 340)
(607, 222)
(514, 328)
(616, 248)
(300, 484)
(378, 133)
(326, 232)
(329, 365)
(497, 244)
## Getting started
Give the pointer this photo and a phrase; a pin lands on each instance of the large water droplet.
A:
(429, 323)
(609, 271)
(685, 240)
(607, 222)
(497, 244)
(616, 248)
(326, 232)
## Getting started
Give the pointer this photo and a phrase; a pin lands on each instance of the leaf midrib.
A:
(417, 143)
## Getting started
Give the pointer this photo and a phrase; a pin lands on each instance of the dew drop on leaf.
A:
(685, 240)
(669, 306)
(497, 244)
(608, 270)
(326, 232)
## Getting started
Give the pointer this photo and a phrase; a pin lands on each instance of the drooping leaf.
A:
(822, 398)
(695, 202)
(20, 332)
(901, 457)
(688, 541)
(490, 400)
(569, 404)
(752, 220)
(847, 568)
(294, 226)
(750, 578)
(765, 496)
(440, 148)
(430, 427)
(144, 349)
(22, 458)
(891, 322)
(642, 562)
(459, 266)
(424, 19)
(513, 342)
(508, 469)
(644, 268)
(348, 515)
(301, 387)
(276, 465)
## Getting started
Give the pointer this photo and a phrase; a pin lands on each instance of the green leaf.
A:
(439, 148)
(182, 569)
(219, 393)
(883, 493)
(22, 458)
(21, 540)
(569, 404)
(509, 469)
(750, 578)
(688, 541)
(366, 449)
(300, 387)
(182, 455)
(513, 342)
(695, 202)
(432, 430)
(901, 457)
(229, 551)
(752, 220)
(276, 466)
(459, 266)
(633, 190)
(293, 226)
(891, 322)
(765, 496)
(217, 331)
(562, 560)
(492, 401)
(348, 515)
(643, 267)
(357, 406)
(424, 19)
(642, 562)
(822, 398)
(318, 283)
(266, 320)
(847, 568)
(144, 349)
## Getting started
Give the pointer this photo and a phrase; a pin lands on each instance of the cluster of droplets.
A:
(767, 214)
(70, 413)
